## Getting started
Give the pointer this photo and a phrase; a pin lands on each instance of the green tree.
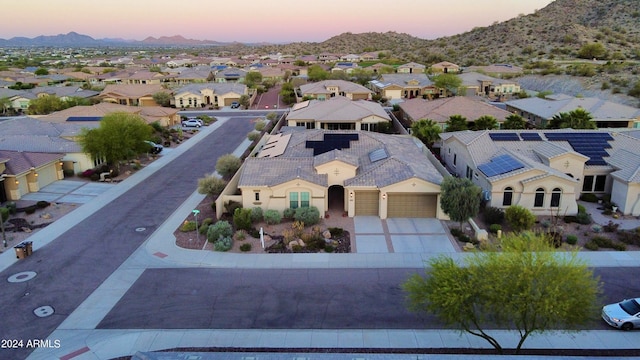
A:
(525, 287)
(120, 136)
(449, 82)
(485, 122)
(427, 130)
(162, 98)
(252, 79)
(287, 93)
(459, 198)
(519, 218)
(5, 104)
(244, 101)
(75, 101)
(514, 122)
(362, 76)
(456, 123)
(41, 71)
(227, 165)
(211, 185)
(44, 105)
(317, 73)
(575, 119)
(592, 51)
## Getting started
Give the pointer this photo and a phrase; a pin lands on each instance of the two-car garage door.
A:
(410, 205)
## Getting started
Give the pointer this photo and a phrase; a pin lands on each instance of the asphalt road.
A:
(71, 267)
(293, 299)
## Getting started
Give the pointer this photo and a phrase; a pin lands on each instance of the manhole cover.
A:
(21, 277)
(141, 229)
(43, 311)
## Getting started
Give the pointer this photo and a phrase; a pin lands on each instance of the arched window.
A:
(539, 200)
(507, 197)
(556, 194)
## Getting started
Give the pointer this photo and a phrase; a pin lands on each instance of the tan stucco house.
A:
(209, 94)
(26, 172)
(338, 113)
(131, 94)
(357, 172)
(403, 86)
(546, 171)
(324, 90)
(477, 84)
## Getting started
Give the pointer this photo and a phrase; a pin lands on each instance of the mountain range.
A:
(557, 31)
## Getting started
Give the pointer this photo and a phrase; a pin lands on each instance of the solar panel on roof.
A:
(500, 165)
(530, 136)
(590, 144)
(84, 118)
(377, 155)
(331, 142)
(504, 136)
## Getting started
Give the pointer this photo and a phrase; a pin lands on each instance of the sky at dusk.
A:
(255, 20)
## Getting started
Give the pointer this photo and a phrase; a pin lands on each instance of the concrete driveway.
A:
(401, 235)
(69, 191)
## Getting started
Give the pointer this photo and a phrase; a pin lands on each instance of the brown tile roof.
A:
(21, 162)
(440, 110)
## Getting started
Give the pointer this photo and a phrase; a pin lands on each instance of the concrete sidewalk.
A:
(79, 338)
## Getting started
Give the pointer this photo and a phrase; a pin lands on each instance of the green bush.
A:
(42, 204)
(253, 136)
(221, 229)
(493, 215)
(604, 242)
(4, 214)
(231, 207)
(245, 247)
(272, 217)
(242, 219)
(629, 237)
(288, 213)
(188, 226)
(329, 248)
(202, 228)
(589, 197)
(582, 209)
(493, 228)
(256, 214)
(260, 125)
(583, 218)
(336, 231)
(307, 215)
(572, 239)
(30, 209)
(223, 244)
(591, 245)
(240, 235)
(519, 218)
(456, 232)
(596, 228)
(13, 208)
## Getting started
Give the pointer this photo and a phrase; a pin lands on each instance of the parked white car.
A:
(193, 122)
(624, 315)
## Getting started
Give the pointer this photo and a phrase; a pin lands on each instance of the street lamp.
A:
(195, 214)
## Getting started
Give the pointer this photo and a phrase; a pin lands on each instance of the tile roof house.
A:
(209, 94)
(94, 113)
(403, 86)
(440, 110)
(357, 172)
(324, 90)
(546, 171)
(411, 68)
(606, 114)
(338, 113)
(478, 84)
(26, 172)
(132, 94)
(445, 67)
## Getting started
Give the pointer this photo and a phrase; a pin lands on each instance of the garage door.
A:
(412, 205)
(47, 175)
(367, 203)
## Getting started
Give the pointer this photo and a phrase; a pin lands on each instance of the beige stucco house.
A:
(546, 171)
(94, 113)
(403, 86)
(26, 172)
(445, 67)
(209, 94)
(131, 94)
(338, 113)
(355, 172)
(477, 84)
(411, 68)
(324, 90)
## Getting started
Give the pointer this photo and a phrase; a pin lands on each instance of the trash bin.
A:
(21, 251)
(28, 245)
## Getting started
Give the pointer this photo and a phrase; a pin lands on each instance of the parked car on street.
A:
(235, 105)
(624, 315)
(154, 148)
(193, 122)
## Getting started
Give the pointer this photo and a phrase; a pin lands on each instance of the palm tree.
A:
(456, 123)
(576, 119)
(427, 130)
(514, 122)
(485, 122)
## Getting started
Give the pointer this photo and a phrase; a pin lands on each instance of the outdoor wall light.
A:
(384, 196)
(36, 174)
(351, 194)
(17, 182)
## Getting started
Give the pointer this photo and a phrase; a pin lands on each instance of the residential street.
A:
(70, 268)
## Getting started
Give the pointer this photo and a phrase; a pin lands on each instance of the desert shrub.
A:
(256, 214)
(260, 125)
(519, 218)
(272, 217)
(240, 235)
(231, 206)
(588, 197)
(583, 218)
(242, 219)
(202, 228)
(253, 136)
(336, 231)
(245, 247)
(464, 238)
(610, 227)
(329, 248)
(582, 209)
(219, 230)
(493, 228)
(572, 239)
(456, 232)
(42, 204)
(296, 248)
(254, 233)
(227, 165)
(493, 215)
(605, 242)
(188, 226)
(223, 244)
(4, 214)
(30, 209)
(596, 228)
(307, 215)
(288, 213)
(629, 237)
(13, 208)
(591, 245)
